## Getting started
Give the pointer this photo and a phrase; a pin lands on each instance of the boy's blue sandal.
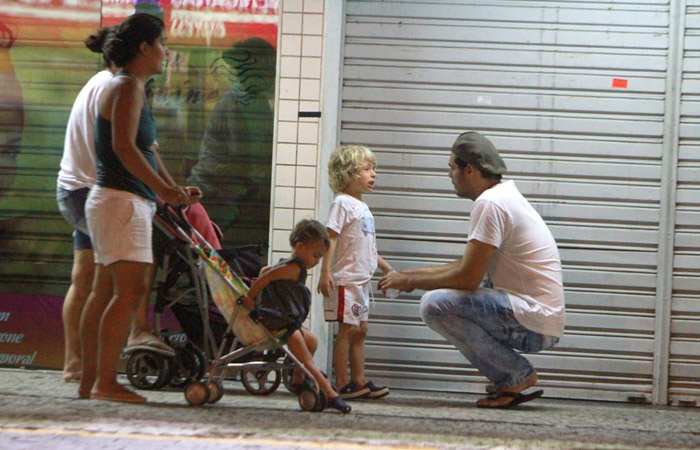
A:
(352, 391)
(376, 392)
(517, 399)
(339, 404)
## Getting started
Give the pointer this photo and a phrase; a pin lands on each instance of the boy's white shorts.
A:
(348, 303)
(120, 225)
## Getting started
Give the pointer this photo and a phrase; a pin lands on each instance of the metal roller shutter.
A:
(684, 372)
(572, 93)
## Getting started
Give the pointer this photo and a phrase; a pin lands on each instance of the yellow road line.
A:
(240, 439)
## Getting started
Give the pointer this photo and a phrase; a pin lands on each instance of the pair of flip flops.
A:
(518, 398)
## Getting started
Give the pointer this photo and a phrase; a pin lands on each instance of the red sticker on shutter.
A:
(619, 83)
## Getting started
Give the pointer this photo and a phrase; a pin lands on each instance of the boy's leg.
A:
(481, 325)
(311, 344)
(89, 327)
(310, 339)
(357, 364)
(357, 354)
(350, 389)
(350, 341)
(341, 350)
(297, 345)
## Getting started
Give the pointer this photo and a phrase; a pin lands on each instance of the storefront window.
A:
(213, 107)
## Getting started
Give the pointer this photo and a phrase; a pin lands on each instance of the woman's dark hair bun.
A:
(96, 41)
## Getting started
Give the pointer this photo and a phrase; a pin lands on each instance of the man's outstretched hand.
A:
(396, 280)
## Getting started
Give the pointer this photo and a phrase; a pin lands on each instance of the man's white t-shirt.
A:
(78, 163)
(526, 264)
(355, 258)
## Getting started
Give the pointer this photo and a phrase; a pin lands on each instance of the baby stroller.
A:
(182, 289)
(245, 336)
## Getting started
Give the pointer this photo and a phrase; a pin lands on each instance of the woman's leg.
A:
(82, 276)
(141, 332)
(131, 281)
(89, 327)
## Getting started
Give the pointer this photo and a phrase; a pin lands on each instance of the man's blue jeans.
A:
(481, 324)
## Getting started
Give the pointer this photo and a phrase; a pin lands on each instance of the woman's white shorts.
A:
(120, 225)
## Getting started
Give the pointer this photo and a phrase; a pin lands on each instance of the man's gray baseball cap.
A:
(475, 148)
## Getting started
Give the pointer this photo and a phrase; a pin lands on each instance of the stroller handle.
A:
(175, 219)
(175, 215)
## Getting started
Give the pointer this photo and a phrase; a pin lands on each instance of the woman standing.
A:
(120, 207)
(76, 177)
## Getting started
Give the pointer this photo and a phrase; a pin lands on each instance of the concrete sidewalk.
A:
(38, 403)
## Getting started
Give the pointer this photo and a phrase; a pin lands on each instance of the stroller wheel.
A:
(188, 365)
(259, 382)
(200, 361)
(309, 400)
(181, 370)
(147, 370)
(197, 393)
(216, 391)
(287, 373)
(322, 401)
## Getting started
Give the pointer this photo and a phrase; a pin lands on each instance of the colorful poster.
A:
(214, 115)
(31, 330)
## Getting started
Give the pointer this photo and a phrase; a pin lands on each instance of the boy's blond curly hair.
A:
(343, 165)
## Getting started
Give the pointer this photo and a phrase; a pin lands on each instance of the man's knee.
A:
(429, 308)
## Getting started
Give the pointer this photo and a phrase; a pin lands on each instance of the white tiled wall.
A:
(296, 171)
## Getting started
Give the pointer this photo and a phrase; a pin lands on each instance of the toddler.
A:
(349, 265)
(285, 298)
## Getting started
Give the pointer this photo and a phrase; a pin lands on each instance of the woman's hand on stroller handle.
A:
(174, 195)
(177, 195)
(194, 193)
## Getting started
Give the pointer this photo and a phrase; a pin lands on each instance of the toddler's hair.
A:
(343, 165)
(309, 230)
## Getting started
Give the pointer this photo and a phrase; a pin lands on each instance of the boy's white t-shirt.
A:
(355, 258)
(526, 264)
(78, 168)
